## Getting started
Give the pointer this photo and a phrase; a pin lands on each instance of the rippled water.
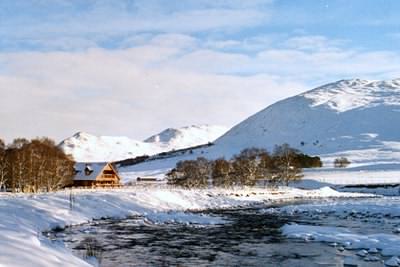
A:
(250, 238)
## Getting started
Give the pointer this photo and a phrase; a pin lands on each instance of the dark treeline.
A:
(37, 165)
(249, 167)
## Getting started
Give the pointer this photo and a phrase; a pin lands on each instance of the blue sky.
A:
(39, 24)
(68, 66)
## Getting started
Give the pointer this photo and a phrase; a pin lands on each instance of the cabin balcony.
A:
(106, 176)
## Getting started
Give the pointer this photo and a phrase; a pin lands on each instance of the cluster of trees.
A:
(34, 166)
(249, 167)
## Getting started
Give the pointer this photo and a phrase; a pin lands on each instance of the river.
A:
(248, 237)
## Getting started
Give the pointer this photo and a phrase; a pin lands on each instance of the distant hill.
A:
(86, 147)
(186, 136)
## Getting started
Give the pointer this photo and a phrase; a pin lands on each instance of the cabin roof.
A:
(94, 169)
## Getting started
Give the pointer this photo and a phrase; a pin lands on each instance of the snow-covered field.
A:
(24, 217)
(354, 176)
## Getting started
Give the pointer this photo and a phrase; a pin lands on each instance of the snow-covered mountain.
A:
(186, 136)
(342, 116)
(85, 147)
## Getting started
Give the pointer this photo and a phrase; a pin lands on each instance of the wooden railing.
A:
(107, 176)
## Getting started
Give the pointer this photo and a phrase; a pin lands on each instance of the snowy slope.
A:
(358, 118)
(85, 147)
(186, 136)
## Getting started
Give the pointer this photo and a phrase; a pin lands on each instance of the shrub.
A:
(341, 162)
(306, 161)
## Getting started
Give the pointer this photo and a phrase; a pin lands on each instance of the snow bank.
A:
(387, 243)
(364, 175)
(24, 217)
(384, 206)
(377, 211)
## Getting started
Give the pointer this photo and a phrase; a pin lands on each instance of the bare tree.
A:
(286, 166)
(191, 173)
(245, 169)
(266, 169)
(38, 165)
(60, 170)
(18, 167)
(341, 162)
(3, 166)
(221, 171)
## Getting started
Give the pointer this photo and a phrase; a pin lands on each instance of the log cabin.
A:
(96, 175)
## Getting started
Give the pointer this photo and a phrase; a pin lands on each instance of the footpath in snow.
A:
(24, 217)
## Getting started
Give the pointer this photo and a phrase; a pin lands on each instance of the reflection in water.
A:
(252, 238)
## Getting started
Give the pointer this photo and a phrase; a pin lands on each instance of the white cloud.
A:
(59, 25)
(248, 44)
(305, 58)
(314, 43)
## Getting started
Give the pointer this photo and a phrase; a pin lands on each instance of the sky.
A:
(134, 68)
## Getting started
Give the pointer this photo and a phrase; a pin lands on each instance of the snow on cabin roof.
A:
(88, 171)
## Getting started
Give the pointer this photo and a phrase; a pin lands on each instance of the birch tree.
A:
(286, 166)
(191, 173)
(3, 165)
(38, 165)
(221, 171)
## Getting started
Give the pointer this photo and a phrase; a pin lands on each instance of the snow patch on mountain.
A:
(346, 95)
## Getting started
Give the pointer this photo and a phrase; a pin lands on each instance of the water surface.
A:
(251, 237)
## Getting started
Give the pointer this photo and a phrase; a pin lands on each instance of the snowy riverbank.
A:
(24, 217)
(370, 227)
